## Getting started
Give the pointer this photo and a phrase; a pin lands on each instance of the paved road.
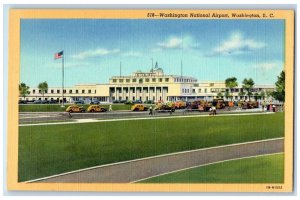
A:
(39, 117)
(131, 171)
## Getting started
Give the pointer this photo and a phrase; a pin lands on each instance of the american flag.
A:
(58, 55)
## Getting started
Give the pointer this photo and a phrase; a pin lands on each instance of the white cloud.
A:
(172, 43)
(185, 42)
(237, 44)
(269, 65)
(95, 53)
(132, 54)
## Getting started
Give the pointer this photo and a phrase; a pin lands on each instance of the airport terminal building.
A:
(153, 85)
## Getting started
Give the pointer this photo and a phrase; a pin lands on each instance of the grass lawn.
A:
(58, 108)
(52, 149)
(262, 169)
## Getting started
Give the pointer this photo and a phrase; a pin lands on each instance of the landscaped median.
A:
(49, 150)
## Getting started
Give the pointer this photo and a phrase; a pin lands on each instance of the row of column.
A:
(139, 93)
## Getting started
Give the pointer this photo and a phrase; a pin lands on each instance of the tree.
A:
(231, 83)
(43, 87)
(248, 85)
(227, 94)
(242, 94)
(263, 94)
(220, 94)
(256, 96)
(279, 93)
(23, 90)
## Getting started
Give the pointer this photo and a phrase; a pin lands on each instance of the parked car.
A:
(95, 102)
(116, 101)
(52, 101)
(75, 108)
(137, 102)
(37, 102)
(149, 102)
(45, 101)
(96, 108)
(22, 102)
(123, 101)
(139, 107)
(79, 102)
(128, 102)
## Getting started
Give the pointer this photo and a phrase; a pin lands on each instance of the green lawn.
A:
(262, 169)
(52, 149)
(58, 108)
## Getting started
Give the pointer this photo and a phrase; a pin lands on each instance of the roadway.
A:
(44, 117)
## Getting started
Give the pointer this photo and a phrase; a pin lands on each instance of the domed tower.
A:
(157, 70)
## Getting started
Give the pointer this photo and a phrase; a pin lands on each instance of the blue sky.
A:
(94, 48)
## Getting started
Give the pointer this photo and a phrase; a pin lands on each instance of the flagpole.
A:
(63, 63)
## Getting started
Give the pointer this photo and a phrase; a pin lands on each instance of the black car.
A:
(137, 101)
(95, 102)
(116, 101)
(22, 102)
(149, 102)
(123, 101)
(79, 102)
(45, 101)
(52, 102)
(37, 102)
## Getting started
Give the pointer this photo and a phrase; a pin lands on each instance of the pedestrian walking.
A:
(214, 110)
(274, 108)
(150, 110)
(263, 106)
(110, 108)
(210, 111)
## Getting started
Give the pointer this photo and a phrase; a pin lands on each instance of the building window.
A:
(134, 80)
(83, 91)
(154, 80)
(199, 90)
(65, 91)
(76, 91)
(167, 79)
(194, 91)
(114, 80)
(52, 91)
(40, 91)
(70, 91)
(58, 91)
(160, 79)
(95, 91)
(120, 80)
(147, 80)
(89, 91)
(211, 84)
(127, 80)
(205, 90)
(33, 91)
(46, 91)
(140, 80)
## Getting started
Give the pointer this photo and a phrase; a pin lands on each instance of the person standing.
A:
(214, 110)
(150, 111)
(110, 108)
(263, 106)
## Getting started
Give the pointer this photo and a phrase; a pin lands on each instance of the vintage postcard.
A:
(151, 100)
